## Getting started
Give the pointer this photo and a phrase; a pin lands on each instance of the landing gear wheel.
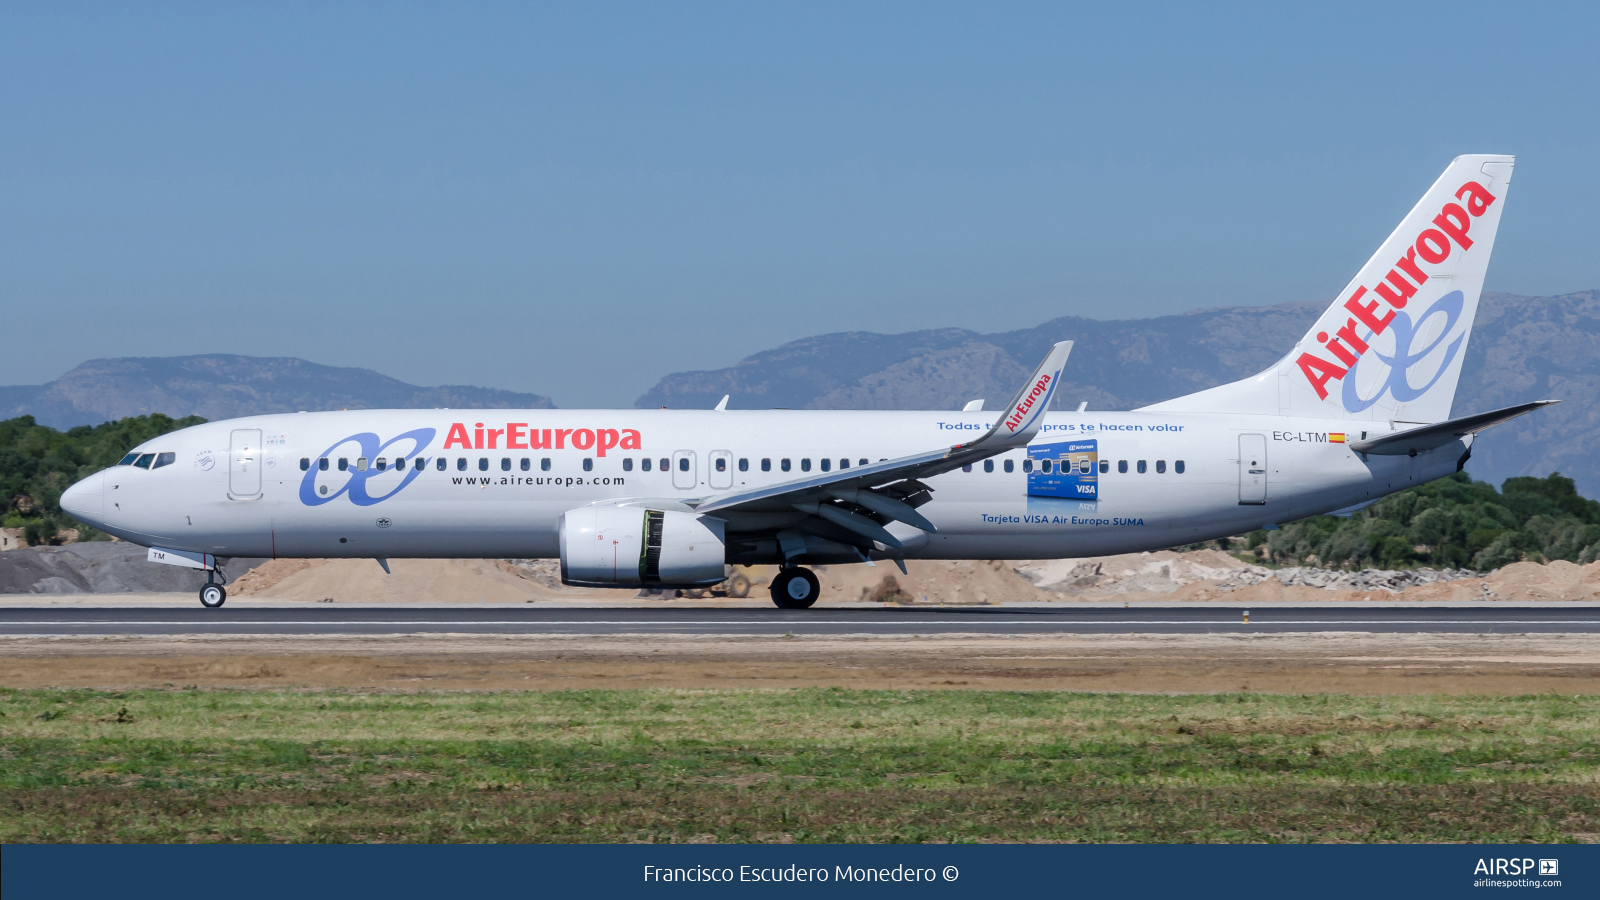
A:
(212, 596)
(795, 589)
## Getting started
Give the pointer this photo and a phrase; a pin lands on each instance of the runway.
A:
(1166, 620)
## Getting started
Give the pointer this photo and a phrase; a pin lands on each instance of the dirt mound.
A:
(99, 567)
(408, 581)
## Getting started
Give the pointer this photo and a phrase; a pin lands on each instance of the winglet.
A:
(973, 406)
(1025, 414)
(723, 404)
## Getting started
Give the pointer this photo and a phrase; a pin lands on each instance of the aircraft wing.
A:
(1415, 440)
(859, 500)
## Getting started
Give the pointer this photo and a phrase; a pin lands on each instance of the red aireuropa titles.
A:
(1433, 245)
(518, 436)
(1021, 412)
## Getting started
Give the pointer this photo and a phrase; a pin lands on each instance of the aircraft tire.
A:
(212, 596)
(795, 588)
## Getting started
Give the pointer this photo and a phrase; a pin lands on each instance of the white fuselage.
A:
(257, 486)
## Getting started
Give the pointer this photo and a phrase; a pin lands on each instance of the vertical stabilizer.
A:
(1390, 346)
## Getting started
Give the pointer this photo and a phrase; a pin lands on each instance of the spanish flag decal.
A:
(1336, 437)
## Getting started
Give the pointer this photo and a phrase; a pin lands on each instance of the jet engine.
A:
(620, 546)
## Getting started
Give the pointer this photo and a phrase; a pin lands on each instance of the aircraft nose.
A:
(86, 500)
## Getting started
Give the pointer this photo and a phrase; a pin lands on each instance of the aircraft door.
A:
(684, 474)
(721, 470)
(244, 464)
(1252, 469)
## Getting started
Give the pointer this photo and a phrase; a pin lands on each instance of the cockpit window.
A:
(165, 459)
(128, 460)
(144, 460)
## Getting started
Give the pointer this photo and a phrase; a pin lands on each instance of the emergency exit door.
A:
(1252, 469)
(684, 475)
(244, 464)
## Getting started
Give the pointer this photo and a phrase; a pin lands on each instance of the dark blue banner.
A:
(303, 872)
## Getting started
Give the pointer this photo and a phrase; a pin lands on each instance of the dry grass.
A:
(802, 765)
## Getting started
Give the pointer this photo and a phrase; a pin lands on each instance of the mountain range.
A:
(1522, 348)
(221, 386)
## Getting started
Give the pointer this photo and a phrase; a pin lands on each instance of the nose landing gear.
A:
(213, 594)
(795, 588)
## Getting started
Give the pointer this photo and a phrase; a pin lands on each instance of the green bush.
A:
(1454, 522)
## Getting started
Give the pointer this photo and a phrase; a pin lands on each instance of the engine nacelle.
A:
(621, 546)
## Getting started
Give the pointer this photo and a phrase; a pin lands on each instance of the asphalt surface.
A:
(1211, 619)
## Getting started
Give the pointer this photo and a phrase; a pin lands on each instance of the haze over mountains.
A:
(222, 386)
(1522, 348)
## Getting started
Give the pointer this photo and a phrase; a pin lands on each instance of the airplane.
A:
(1357, 409)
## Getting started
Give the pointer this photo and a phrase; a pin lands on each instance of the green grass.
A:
(805, 765)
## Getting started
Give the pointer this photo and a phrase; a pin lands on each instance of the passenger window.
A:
(400, 464)
(1177, 467)
(627, 464)
(461, 464)
(361, 464)
(505, 463)
(744, 464)
(783, 464)
(165, 459)
(528, 463)
(588, 464)
(483, 464)
(1027, 465)
(1141, 467)
(862, 463)
(645, 464)
(128, 460)
(805, 464)
(1045, 466)
(844, 463)
(441, 463)
(1161, 467)
(322, 464)
(1105, 466)
(1122, 467)
(722, 464)
(344, 464)
(1009, 465)
(383, 464)
(988, 465)
(666, 465)
(766, 465)
(305, 463)
(544, 464)
(966, 468)
(826, 464)
(683, 464)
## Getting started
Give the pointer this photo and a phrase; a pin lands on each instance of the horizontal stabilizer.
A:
(1416, 440)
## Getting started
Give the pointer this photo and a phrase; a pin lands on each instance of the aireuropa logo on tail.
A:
(1351, 342)
(365, 483)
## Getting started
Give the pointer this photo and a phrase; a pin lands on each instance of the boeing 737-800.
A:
(1358, 408)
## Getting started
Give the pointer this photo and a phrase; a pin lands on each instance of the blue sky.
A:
(575, 200)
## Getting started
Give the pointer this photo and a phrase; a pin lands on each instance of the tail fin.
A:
(1391, 345)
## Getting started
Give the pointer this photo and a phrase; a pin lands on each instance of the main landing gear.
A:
(795, 588)
(212, 595)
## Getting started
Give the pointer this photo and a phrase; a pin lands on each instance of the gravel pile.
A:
(100, 567)
(1335, 580)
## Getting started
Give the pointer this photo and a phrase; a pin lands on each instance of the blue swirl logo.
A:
(1398, 385)
(372, 485)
